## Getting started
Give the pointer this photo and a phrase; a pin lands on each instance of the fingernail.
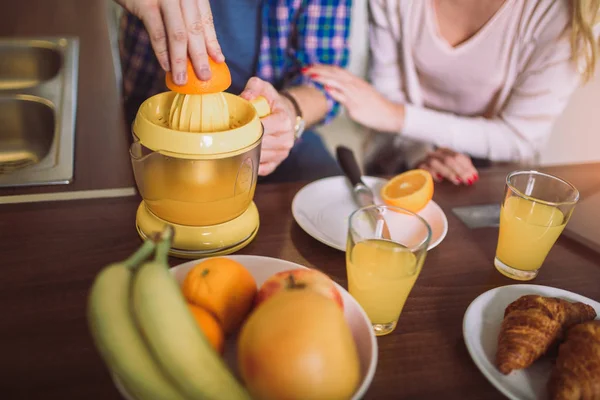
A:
(304, 69)
(314, 76)
(438, 176)
(459, 180)
(204, 74)
(181, 78)
(475, 178)
(327, 87)
(469, 182)
(167, 66)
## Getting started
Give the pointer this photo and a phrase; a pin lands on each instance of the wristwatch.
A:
(299, 123)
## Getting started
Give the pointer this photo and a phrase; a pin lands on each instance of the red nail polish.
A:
(313, 76)
(304, 69)
(459, 180)
(469, 182)
(475, 178)
(327, 87)
(439, 176)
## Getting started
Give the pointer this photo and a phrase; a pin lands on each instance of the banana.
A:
(116, 336)
(174, 337)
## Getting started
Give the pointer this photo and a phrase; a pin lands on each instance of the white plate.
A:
(481, 326)
(322, 208)
(263, 267)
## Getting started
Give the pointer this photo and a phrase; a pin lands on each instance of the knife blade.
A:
(361, 193)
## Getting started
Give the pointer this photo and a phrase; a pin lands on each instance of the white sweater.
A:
(524, 51)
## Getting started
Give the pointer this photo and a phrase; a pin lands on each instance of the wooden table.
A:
(50, 253)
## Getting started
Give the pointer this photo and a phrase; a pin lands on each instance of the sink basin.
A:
(27, 65)
(27, 131)
(38, 87)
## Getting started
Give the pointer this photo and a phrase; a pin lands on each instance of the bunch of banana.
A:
(146, 335)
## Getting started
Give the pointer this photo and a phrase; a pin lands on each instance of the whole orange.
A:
(223, 287)
(209, 326)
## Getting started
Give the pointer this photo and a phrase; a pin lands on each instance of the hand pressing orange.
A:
(176, 29)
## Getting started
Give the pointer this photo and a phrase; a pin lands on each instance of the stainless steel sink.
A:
(38, 99)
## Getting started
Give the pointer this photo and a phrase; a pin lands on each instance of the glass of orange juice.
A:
(534, 212)
(382, 269)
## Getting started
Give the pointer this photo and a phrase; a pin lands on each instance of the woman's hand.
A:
(279, 136)
(447, 164)
(177, 28)
(363, 102)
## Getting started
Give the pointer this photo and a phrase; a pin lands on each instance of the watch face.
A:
(300, 123)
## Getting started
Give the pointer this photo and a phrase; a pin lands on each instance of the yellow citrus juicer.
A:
(195, 160)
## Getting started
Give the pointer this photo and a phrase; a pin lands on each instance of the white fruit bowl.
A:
(262, 268)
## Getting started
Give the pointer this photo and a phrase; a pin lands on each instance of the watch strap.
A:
(292, 99)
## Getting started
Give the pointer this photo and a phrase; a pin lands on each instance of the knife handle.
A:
(349, 165)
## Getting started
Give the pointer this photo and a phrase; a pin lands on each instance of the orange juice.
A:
(381, 275)
(528, 231)
(197, 192)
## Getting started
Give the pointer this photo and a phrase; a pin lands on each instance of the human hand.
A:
(278, 138)
(447, 164)
(177, 28)
(362, 101)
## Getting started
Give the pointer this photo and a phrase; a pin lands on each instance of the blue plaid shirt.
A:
(295, 33)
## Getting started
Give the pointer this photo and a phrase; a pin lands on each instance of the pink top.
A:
(493, 96)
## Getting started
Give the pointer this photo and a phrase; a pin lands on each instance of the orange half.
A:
(219, 82)
(411, 190)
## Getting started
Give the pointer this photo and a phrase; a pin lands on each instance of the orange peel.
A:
(219, 82)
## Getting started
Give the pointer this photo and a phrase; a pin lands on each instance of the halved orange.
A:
(411, 190)
(219, 82)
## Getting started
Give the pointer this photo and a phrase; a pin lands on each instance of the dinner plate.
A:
(322, 208)
(481, 326)
(263, 267)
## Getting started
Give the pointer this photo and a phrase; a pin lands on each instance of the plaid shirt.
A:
(295, 33)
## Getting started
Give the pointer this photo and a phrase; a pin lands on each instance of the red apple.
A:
(299, 279)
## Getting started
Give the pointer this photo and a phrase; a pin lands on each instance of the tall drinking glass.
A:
(383, 270)
(534, 212)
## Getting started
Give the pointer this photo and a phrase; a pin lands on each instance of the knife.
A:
(361, 193)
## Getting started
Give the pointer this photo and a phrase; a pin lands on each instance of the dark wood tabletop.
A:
(51, 252)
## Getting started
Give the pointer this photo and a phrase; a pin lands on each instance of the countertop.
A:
(101, 137)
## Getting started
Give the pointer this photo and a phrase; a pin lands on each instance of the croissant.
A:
(531, 325)
(576, 374)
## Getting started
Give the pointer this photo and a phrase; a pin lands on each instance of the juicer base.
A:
(192, 242)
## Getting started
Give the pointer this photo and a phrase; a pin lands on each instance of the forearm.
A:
(312, 103)
(495, 139)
